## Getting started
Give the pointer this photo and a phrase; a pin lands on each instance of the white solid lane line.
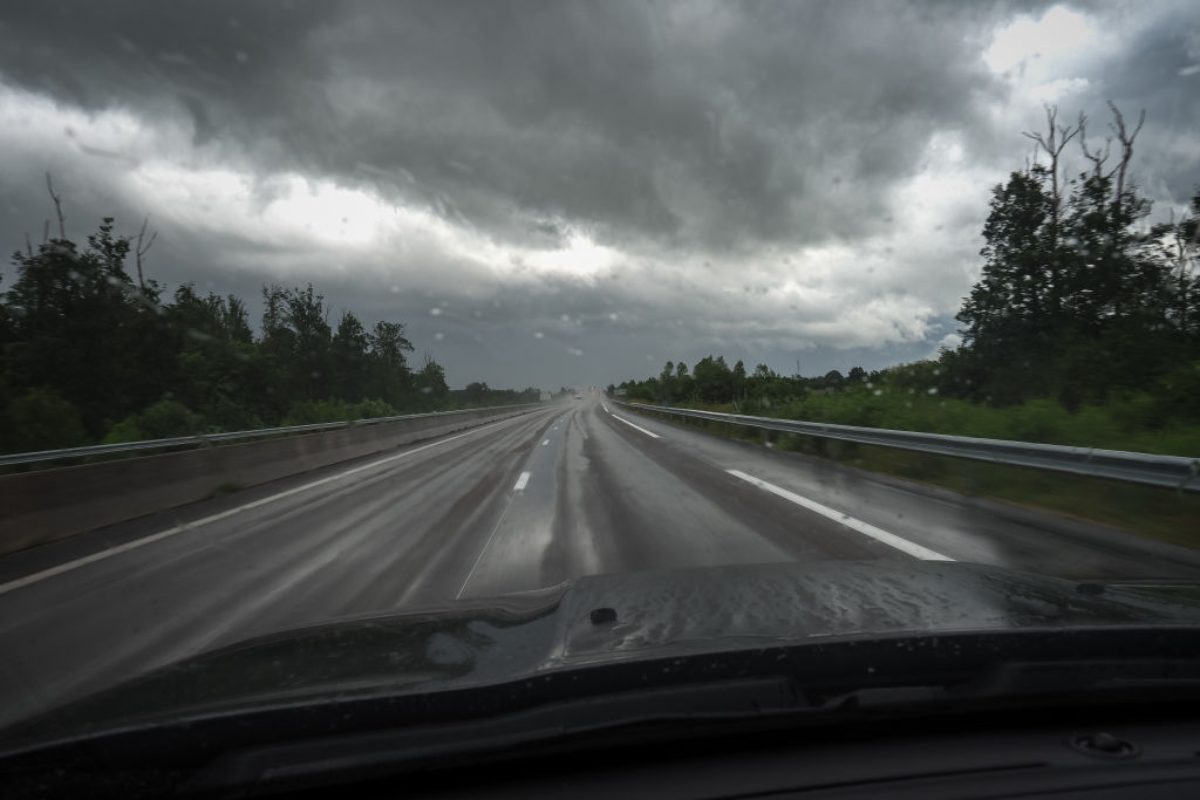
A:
(521, 482)
(136, 543)
(606, 411)
(651, 434)
(878, 534)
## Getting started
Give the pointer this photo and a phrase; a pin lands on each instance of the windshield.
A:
(685, 322)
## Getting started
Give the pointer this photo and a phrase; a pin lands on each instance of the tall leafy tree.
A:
(391, 377)
(350, 358)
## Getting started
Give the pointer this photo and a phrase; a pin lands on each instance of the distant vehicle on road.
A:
(578, 397)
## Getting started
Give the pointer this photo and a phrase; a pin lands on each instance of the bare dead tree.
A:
(1126, 138)
(1097, 157)
(28, 246)
(62, 226)
(1183, 251)
(141, 249)
(1053, 142)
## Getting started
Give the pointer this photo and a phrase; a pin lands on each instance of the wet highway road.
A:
(520, 504)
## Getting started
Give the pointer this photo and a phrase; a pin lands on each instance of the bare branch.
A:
(28, 246)
(1127, 140)
(62, 228)
(1097, 158)
(142, 248)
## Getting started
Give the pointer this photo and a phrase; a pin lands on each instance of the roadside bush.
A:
(317, 411)
(162, 420)
(1128, 421)
(41, 420)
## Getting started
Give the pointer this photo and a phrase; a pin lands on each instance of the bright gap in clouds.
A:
(296, 227)
(153, 165)
(296, 212)
(1047, 43)
(883, 289)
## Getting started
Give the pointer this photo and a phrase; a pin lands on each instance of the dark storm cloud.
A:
(709, 144)
(714, 123)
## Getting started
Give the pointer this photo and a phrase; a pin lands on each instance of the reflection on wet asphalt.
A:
(576, 488)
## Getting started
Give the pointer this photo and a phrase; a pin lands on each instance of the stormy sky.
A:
(560, 193)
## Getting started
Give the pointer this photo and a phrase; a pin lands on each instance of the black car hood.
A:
(606, 619)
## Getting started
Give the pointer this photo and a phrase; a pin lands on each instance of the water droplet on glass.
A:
(437, 312)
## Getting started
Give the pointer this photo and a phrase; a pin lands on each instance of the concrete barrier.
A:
(40, 507)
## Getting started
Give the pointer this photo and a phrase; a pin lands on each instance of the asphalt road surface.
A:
(528, 502)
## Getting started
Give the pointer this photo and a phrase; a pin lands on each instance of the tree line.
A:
(1079, 302)
(712, 381)
(90, 352)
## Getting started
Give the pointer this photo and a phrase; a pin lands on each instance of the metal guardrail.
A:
(1179, 472)
(202, 440)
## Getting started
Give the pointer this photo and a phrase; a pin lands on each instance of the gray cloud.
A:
(708, 123)
(720, 151)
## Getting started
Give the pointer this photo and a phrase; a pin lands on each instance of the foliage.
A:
(1082, 329)
(88, 353)
(41, 420)
(165, 419)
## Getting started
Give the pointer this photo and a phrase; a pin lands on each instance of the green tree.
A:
(79, 328)
(310, 369)
(682, 383)
(41, 420)
(666, 383)
(431, 381)
(350, 367)
(391, 379)
(713, 380)
(739, 383)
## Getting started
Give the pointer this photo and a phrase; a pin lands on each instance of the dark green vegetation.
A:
(1084, 327)
(90, 353)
